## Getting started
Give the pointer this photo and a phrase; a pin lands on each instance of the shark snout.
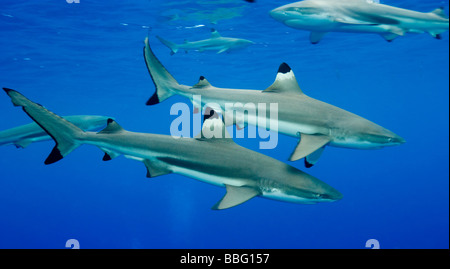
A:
(331, 195)
(278, 14)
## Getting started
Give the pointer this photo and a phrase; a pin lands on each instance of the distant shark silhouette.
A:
(359, 16)
(318, 124)
(24, 135)
(215, 43)
(218, 160)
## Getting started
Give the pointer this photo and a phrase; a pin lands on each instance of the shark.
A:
(215, 43)
(23, 136)
(316, 123)
(217, 160)
(359, 16)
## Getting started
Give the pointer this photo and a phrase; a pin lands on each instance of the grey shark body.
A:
(218, 161)
(359, 16)
(24, 135)
(215, 43)
(317, 123)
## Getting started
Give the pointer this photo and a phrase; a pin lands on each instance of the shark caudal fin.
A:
(64, 133)
(172, 46)
(164, 82)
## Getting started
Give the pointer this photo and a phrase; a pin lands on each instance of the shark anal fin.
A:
(156, 168)
(307, 145)
(236, 196)
(315, 37)
(312, 158)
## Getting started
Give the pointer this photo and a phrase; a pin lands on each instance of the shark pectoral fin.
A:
(236, 196)
(436, 34)
(222, 50)
(307, 145)
(315, 37)
(156, 168)
(109, 154)
(285, 82)
(389, 36)
(312, 158)
(23, 143)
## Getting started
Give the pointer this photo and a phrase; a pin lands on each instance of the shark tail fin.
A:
(65, 134)
(165, 83)
(172, 46)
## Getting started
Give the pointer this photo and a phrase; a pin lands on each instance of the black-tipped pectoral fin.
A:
(312, 158)
(156, 168)
(315, 37)
(308, 144)
(236, 196)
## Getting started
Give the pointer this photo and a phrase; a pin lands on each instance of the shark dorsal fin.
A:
(285, 82)
(202, 83)
(440, 12)
(214, 33)
(111, 127)
(213, 128)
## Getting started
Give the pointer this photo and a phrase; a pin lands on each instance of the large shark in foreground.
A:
(359, 16)
(215, 43)
(317, 123)
(218, 161)
(24, 135)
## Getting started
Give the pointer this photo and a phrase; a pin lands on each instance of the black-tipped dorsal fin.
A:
(285, 82)
(112, 127)
(214, 33)
(202, 83)
(213, 128)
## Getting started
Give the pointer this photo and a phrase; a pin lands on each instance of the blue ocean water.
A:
(86, 58)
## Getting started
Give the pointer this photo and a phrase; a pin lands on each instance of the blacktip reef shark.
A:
(318, 124)
(359, 16)
(24, 135)
(215, 43)
(217, 160)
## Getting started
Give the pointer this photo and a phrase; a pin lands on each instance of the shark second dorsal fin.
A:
(214, 33)
(112, 127)
(202, 83)
(285, 82)
(213, 128)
